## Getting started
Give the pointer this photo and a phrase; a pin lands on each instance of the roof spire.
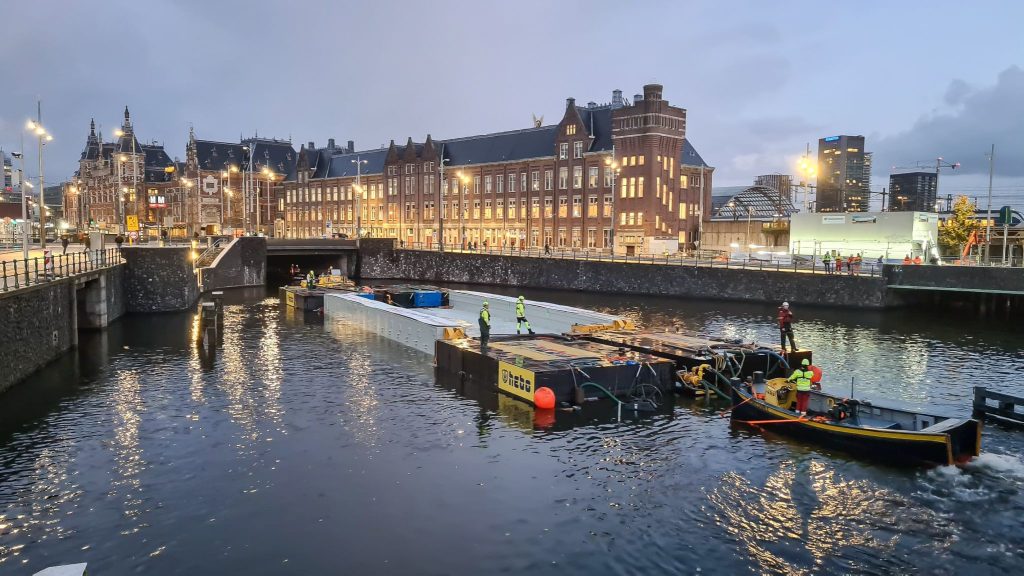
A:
(92, 127)
(127, 116)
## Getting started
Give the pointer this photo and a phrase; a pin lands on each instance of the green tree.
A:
(958, 228)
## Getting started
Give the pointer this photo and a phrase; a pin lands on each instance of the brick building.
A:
(622, 170)
(220, 195)
(118, 179)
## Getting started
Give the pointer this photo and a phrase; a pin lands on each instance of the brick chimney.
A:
(330, 143)
(652, 91)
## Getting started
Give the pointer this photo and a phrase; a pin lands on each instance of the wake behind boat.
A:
(889, 434)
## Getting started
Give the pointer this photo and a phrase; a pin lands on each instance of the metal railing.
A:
(795, 264)
(24, 272)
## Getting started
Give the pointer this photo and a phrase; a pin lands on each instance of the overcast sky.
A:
(759, 79)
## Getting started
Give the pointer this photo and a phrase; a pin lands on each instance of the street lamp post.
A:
(613, 165)
(25, 224)
(442, 202)
(43, 136)
(359, 162)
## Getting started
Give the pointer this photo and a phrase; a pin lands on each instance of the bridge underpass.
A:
(317, 254)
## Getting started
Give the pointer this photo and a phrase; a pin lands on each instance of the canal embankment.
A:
(982, 290)
(380, 260)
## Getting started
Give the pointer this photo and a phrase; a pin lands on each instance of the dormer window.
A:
(570, 130)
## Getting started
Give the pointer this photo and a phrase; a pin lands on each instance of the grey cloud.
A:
(985, 116)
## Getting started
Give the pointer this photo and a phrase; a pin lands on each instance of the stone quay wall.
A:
(380, 260)
(242, 263)
(159, 279)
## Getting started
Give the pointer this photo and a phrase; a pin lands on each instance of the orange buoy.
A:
(817, 374)
(544, 398)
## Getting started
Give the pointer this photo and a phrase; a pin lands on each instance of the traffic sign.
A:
(328, 223)
(132, 223)
(1005, 216)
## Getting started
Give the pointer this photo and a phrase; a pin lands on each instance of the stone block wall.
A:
(241, 263)
(159, 279)
(381, 261)
(37, 325)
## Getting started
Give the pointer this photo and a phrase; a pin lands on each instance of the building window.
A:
(563, 178)
(632, 187)
(487, 184)
(563, 151)
(639, 218)
(640, 187)
(607, 211)
(549, 177)
(577, 149)
(577, 176)
(577, 206)
(683, 181)
(591, 206)
(592, 177)
(563, 206)
(511, 183)
(548, 203)
(501, 183)
(570, 130)
(608, 177)
(535, 208)
(522, 182)
(487, 209)
(499, 211)
(535, 180)
(476, 184)
(622, 218)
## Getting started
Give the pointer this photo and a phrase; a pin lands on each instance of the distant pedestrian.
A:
(87, 242)
(64, 244)
(119, 240)
(547, 248)
(785, 319)
(827, 261)
(849, 265)
(485, 325)
(839, 263)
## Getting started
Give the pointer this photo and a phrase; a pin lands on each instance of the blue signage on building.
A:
(831, 138)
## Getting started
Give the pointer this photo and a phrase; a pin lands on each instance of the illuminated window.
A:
(639, 218)
(592, 177)
(535, 180)
(623, 184)
(622, 218)
(640, 187)
(570, 130)
(683, 181)
(632, 187)
(563, 178)
(641, 160)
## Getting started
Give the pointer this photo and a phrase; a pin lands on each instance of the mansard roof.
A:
(157, 160)
(276, 154)
(344, 165)
(689, 155)
(500, 147)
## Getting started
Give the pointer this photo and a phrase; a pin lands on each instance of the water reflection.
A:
(149, 460)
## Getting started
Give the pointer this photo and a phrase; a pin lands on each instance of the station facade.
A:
(621, 171)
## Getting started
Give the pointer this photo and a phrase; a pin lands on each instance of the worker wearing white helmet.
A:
(786, 327)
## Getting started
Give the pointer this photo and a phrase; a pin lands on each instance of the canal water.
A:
(313, 448)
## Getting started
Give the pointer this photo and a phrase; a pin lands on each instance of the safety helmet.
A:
(521, 298)
(785, 304)
(485, 304)
(805, 362)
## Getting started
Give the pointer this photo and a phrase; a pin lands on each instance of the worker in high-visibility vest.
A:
(310, 280)
(485, 325)
(802, 376)
(521, 316)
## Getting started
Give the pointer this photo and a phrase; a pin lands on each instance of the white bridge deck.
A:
(421, 327)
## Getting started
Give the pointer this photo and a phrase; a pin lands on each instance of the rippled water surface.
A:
(312, 448)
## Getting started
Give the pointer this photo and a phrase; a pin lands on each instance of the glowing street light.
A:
(36, 127)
